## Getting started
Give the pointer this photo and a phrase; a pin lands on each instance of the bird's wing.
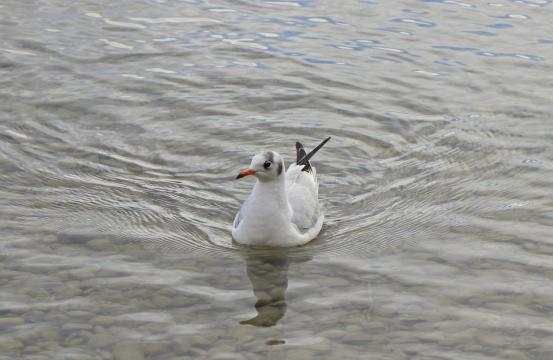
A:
(302, 193)
(303, 159)
(239, 215)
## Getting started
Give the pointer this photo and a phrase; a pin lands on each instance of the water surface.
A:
(123, 125)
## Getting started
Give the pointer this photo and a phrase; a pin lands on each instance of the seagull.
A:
(283, 208)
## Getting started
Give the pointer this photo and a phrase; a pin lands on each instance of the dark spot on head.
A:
(270, 156)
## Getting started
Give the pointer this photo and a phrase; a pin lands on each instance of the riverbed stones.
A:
(102, 320)
(51, 345)
(226, 356)
(49, 239)
(243, 332)
(76, 326)
(69, 291)
(50, 334)
(196, 345)
(8, 344)
(515, 355)
(99, 244)
(10, 321)
(152, 348)
(300, 353)
(488, 338)
(161, 301)
(105, 355)
(74, 340)
(128, 351)
(101, 340)
(81, 314)
(356, 339)
(333, 333)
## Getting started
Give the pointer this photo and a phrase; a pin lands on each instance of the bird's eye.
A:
(267, 164)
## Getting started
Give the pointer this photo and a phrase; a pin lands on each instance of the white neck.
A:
(271, 192)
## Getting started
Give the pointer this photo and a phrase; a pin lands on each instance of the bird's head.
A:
(266, 166)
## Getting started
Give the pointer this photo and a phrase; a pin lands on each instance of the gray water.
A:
(123, 125)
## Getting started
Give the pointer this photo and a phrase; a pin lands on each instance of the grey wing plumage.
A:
(239, 217)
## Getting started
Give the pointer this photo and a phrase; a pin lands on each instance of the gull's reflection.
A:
(268, 274)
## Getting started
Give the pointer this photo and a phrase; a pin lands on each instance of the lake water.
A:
(123, 125)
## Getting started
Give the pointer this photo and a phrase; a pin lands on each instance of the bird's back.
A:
(302, 192)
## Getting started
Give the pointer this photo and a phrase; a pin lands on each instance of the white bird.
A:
(283, 207)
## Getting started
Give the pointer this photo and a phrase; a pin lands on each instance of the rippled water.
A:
(122, 126)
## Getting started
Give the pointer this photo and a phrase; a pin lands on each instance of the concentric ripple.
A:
(379, 192)
(137, 133)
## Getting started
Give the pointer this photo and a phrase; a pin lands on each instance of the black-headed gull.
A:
(283, 207)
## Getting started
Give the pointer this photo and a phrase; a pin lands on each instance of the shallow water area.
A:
(122, 129)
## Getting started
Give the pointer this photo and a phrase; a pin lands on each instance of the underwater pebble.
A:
(353, 328)
(98, 329)
(76, 326)
(154, 347)
(243, 332)
(299, 353)
(226, 356)
(36, 292)
(228, 348)
(54, 316)
(128, 352)
(34, 316)
(332, 334)
(50, 334)
(490, 339)
(70, 291)
(194, 344)
(106, 355)
(184, 301)
(75, 341)
(132, 292)
(154, 328)
(356, 339)
(48, 239)
(514, 355)
(102, 320)
(79, 314)
(32, 349)
(11, 321)
(50, 345)
(9, 345)
(334, 282)
(98, 244)
(101, 340)
(161, 301)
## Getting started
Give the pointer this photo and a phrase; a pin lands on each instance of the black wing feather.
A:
(300, 154)
(303, 159)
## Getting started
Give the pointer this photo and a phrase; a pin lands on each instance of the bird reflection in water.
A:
(268, 274)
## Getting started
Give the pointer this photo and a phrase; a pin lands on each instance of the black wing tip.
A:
(300, 152)
(303, 158)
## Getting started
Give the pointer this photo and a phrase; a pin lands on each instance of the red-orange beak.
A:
(245, 172)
